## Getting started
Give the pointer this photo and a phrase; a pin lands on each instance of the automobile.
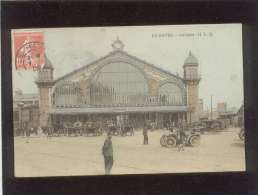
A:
(213, 125)
(201, 126)
(170, 138)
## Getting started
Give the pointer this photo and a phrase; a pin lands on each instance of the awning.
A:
(138, 109)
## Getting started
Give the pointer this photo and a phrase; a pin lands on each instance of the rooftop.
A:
(191, 60)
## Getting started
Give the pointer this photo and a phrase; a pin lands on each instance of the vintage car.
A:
(201, 126)
(214, 125)
(170, 138)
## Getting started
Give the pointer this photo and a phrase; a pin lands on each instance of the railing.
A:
(149, 101)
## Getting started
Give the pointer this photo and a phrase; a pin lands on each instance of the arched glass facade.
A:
(118, 84)
(66, 94)
(170, 94)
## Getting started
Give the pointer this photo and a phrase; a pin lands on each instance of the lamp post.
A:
(20, 106)
(211, 108)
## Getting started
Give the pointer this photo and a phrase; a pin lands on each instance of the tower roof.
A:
(191, 60)
(48, 64)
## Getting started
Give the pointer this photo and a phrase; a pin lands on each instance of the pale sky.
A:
(219, 54)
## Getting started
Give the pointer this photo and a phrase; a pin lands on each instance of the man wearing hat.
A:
(107, 151)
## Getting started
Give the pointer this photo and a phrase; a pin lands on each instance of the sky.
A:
(218, 48)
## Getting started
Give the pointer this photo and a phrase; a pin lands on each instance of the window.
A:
(66, 94)
(118, 84)
(170, 94)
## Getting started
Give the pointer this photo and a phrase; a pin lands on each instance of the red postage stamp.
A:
(28, 48)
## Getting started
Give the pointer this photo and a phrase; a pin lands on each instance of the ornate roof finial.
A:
(118, 45)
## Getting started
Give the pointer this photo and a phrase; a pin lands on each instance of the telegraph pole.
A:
(211, 107)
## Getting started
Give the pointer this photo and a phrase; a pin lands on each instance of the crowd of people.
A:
(107, 149)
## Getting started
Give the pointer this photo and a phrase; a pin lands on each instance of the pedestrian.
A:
(27, 133)
(181, 136)
(145, 134)
(107, 151)
(48, 132)
(39, 130)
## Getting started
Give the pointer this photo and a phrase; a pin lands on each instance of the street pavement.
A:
(70, 156)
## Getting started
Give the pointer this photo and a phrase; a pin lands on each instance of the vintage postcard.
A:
(128, 100)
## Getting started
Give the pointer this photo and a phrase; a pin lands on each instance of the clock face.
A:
(118, 45)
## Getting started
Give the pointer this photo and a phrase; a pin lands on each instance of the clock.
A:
(118, 45)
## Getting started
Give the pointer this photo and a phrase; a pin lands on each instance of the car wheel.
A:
(170, 142)
(163, 140)
(194, 140)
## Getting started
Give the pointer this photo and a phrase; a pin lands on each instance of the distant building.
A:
(25, 111)
(230, 114)
(207, 115)
(119, 84)
(26, 99)
(222, 107)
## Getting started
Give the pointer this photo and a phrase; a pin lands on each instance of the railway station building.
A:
(119, 86)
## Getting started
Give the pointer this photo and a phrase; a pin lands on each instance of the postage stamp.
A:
(28, 49)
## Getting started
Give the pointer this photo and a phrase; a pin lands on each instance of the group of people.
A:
(28, 131)
(107, 149)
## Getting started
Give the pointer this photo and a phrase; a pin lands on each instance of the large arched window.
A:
(66, 94)
(170, 94)
(118, 84)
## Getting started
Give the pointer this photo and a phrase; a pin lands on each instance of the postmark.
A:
(28, 48)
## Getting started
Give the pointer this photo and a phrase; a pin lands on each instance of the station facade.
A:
(119, 86)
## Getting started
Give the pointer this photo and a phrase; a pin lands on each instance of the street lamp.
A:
(20, 106)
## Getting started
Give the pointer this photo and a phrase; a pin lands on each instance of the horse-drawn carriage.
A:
(92, 129)
(112, 129)
(89, 128)
(127, 129)
(122, 130)
(80, 129)
(72, 129)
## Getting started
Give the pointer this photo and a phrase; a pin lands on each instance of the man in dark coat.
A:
(181, 136)
(107, 151)
(145, 133)
(27, 132)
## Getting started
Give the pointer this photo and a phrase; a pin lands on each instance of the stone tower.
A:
(45, 83)
(192, 80)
